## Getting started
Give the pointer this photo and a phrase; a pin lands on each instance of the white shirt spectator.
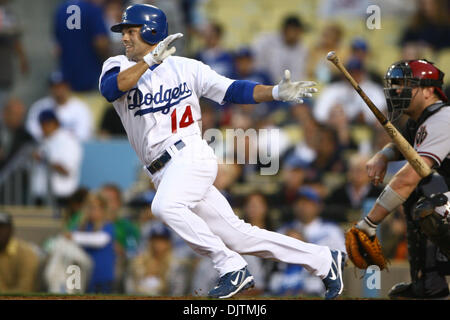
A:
(274, 56)
(64, 149)
(74, 115)
(342, 93)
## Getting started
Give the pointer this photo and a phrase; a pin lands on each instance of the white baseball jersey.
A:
(433, 137)
(164, 105)
(161, 109)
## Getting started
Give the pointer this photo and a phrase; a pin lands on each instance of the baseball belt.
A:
(159, 163)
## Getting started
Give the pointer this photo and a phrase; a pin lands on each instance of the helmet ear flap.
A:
(153, 34)
(146, 33)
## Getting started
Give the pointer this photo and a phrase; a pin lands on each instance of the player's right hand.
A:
(162, 50)
(376, 168)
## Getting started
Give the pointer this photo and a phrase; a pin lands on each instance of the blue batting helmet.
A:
(152, 19)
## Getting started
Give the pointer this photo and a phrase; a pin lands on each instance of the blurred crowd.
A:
(111, 235)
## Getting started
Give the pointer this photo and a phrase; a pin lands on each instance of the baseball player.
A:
(415, 88)
(157, 98)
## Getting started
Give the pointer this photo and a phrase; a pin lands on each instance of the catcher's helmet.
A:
(408, 75)
(152, 19)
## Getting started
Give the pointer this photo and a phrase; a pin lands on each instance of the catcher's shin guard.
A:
(425, 276)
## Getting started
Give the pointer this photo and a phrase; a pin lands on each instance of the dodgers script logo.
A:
(170, 97)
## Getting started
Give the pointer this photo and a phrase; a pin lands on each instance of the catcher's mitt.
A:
(362, 250)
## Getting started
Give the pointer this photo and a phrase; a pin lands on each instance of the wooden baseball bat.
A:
(403, 146)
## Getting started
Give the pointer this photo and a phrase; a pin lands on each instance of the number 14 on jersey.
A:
(185, 121)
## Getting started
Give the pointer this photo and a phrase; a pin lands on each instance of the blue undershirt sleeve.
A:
(241, 91)
(108, 85)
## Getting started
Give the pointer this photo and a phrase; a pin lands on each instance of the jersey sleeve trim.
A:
(108, 85)
(241, 91)
(430, 155)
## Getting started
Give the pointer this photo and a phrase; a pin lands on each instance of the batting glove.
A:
(367, 226)
(162, 50)
(293, 91)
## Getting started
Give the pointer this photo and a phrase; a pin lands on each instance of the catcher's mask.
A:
(402, 77)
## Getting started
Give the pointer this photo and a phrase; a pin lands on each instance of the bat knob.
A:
(331, 55)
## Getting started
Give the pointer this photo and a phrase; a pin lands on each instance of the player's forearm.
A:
(262, 93)
(390, 151)
(395, 194)
(128, 78)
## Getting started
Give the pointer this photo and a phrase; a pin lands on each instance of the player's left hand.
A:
(162, 50)
(287, 90)
(362, 249)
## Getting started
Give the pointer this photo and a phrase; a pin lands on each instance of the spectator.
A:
(308, 226)
(227, 175)
(393, 236)
(81, 50)
(62, 255)
(210, 116)
(13, 135)
(430, 25)
(156, 272)
(283, 50)
(126, 233)
(113, 15)
(319, 67)
(352, 195)
(18, 261)
(10, 48)
(359, 49)
(96, 236)
(244, 67)
(74, 208)
(320, 153)
(307, 209)
(57, 162)
(111, 125)
(343, 96)
(414, 51)
(213, 54)
(73, 114)
(304, 149)
(292, 178)
(142, 204)
(328, 156)
(256, 212)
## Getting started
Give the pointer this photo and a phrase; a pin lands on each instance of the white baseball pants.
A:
(188, 203)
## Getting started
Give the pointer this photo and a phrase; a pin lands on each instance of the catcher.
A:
(415, 89)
